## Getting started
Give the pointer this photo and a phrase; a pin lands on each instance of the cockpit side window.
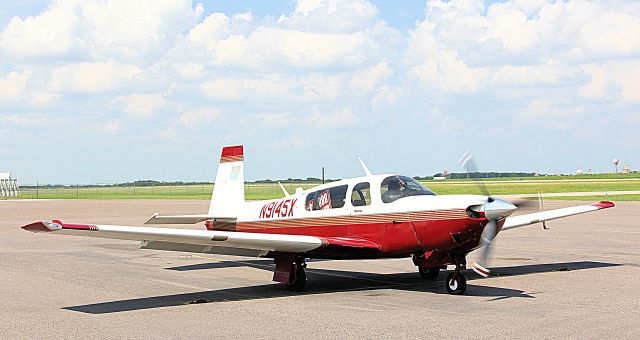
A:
(394, 188)
(330, 198)
(361, 194)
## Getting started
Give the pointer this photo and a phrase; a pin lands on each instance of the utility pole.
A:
(322, 175)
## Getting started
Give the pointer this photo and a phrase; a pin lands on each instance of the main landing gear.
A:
(299, 279)
(429, 273)
(456, 283)
(290, 271)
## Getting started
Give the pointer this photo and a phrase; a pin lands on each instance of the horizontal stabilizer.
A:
(186, 219)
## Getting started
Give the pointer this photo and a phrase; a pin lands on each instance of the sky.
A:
(113, 91)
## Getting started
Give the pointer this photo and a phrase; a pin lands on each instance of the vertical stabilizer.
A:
(228, 191)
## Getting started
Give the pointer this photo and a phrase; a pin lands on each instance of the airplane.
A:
(369, 217)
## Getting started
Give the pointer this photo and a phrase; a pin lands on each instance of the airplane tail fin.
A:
(228, 192)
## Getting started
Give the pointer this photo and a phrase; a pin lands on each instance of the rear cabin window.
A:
(330, 198)
(361, 195)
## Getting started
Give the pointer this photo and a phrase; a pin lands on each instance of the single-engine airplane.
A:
(374, 216)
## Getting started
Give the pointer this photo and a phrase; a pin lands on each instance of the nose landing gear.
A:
(456, 283)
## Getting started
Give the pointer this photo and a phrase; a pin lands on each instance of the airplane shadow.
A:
(324, 281)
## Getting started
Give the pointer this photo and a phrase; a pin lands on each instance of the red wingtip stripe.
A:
(36, 227)
(604, 205)
(41, 226)
(232, 154)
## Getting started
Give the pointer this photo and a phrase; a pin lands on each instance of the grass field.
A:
(268, 191)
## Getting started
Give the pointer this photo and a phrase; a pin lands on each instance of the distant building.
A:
(8, 186)
(626, 169)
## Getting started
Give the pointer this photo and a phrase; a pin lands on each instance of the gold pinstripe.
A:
(226, 159)
(434, 215)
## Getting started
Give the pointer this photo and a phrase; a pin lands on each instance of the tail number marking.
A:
(282, 208)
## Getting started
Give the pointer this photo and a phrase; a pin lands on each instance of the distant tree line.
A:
(153, 183)
(464, 175)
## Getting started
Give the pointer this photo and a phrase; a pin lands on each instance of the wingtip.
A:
(604, 205)
(43, 226)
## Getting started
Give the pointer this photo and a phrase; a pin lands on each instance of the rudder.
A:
(228, 192)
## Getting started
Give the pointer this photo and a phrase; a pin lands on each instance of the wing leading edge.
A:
(528, 219)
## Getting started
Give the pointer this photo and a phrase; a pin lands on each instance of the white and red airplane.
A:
(374, 216)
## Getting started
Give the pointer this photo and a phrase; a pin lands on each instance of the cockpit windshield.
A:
(394, 188)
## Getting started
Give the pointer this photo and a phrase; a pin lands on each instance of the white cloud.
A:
(618, 80)
(332, 16)
(91, 78)
(13, 85)
(447, 73)
(34, 120)
(49, 34)
(551, 114)
(442, 124)
(118, 29)
(341, 118)
(274, 119)
(141, 107)
(190, 70)
(194, 119)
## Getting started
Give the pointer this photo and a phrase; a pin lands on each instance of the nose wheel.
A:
(456, 283)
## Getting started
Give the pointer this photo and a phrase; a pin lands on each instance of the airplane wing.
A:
(186, 219)
(528, 219)
(207, 241)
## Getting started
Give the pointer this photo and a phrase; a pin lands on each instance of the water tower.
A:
(615, 163)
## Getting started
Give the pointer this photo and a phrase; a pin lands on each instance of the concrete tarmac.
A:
(578, 280)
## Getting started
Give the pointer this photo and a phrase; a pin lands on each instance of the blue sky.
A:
(94, 91)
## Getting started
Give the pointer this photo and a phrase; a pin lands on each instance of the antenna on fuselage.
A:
(286, 193)
(364, 167)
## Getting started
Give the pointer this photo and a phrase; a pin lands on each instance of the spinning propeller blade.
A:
(495, 209)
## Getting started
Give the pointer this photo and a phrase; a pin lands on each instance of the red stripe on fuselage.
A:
(400, 235)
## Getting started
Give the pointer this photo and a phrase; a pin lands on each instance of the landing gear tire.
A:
(429, 273)
(298, 284)
(456, 283)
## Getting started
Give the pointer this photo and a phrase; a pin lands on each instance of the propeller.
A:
(494, 209)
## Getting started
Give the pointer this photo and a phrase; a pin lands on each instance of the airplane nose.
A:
(497, 208)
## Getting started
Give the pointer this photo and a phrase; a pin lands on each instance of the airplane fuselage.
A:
(409, 225)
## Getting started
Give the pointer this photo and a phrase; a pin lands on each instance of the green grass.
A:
(517, 187)
(556, 178)
(269, 191)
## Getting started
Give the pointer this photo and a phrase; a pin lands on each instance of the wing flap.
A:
(528, 219)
